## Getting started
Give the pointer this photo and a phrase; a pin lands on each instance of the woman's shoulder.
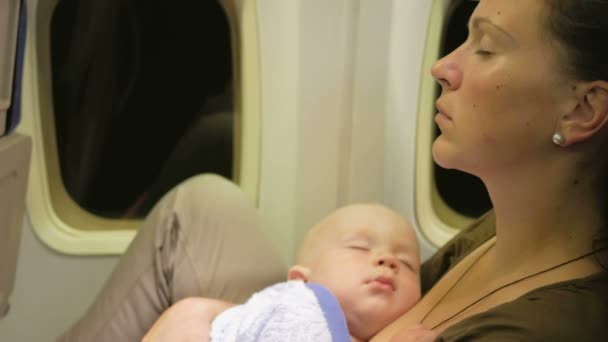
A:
(573, 310)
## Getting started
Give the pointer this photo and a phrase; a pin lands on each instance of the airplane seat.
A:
(15, 148)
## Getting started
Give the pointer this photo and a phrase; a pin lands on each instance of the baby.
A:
(356, 272)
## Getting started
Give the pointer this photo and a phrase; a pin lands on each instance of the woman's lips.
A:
(442, 112)
(442, 117)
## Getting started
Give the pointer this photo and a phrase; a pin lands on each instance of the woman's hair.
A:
(580, 30)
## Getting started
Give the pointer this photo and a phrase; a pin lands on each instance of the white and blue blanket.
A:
(292, 311)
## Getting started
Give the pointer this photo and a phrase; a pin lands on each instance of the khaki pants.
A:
(202, 239)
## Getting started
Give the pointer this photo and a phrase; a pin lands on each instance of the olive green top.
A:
(574, 310)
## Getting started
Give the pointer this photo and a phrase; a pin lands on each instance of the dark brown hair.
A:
(580, 29)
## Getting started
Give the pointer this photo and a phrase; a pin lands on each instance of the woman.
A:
(524, 107)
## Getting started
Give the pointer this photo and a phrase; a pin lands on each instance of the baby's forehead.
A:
(373, 233)
(360, 212)
(376, 232)
(362, 221)
(370, 218)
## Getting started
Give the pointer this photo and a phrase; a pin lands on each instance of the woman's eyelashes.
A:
(479, 42)
(483, 48)
(483, 53)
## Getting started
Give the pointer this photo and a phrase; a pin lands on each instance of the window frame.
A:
(437, 220)
(57, 219)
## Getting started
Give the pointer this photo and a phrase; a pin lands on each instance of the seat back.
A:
(8, 37)
(15, 149)
(13, 116)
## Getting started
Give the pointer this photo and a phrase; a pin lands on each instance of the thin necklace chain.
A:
(498, 288)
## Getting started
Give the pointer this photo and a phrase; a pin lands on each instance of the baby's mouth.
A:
(385, 283)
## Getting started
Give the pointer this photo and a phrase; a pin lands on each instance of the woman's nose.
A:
(447, 72)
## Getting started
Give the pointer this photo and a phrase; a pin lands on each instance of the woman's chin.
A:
(441, 154)
(448, 159)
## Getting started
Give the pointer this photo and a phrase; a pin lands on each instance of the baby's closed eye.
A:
(360, 247)
(407, 264)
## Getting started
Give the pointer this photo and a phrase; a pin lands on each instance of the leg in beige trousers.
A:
(202, 239)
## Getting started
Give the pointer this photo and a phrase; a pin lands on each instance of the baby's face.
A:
(369, 259)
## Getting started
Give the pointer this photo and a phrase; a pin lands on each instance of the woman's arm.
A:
(187, 320)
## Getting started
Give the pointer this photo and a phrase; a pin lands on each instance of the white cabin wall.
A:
(363, 178)
(340, 92)
(326, 32)
(279, 47)
(409, 26)
(51, 290)
(307, 59)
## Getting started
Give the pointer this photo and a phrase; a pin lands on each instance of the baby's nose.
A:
(387, 261)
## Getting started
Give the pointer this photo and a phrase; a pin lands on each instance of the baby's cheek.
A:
(411, 294)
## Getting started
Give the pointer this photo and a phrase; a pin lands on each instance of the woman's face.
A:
(502, 91)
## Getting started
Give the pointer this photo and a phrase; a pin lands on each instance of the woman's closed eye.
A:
(482, 49)
(483, 46)
(483, 53)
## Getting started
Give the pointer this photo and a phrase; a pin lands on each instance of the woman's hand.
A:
(415, 333)
(187, 320)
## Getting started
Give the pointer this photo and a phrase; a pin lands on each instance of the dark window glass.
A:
(142, 98)
(462, 192)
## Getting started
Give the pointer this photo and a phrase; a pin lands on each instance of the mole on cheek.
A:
(499, 86)
(474, 105)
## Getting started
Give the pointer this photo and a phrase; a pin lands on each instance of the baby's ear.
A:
(298, 272)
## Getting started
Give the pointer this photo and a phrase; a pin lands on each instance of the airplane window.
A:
(464, 193)
(142, 97)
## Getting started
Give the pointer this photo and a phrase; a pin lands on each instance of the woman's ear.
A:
(589, 116)
(298, 272)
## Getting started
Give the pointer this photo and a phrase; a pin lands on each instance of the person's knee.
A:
(210, 197)
(207, 181)
(210, 188)
(193, 199)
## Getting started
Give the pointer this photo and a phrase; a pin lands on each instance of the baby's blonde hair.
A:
(307, 253)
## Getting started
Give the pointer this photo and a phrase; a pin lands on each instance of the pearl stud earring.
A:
(558, 139)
